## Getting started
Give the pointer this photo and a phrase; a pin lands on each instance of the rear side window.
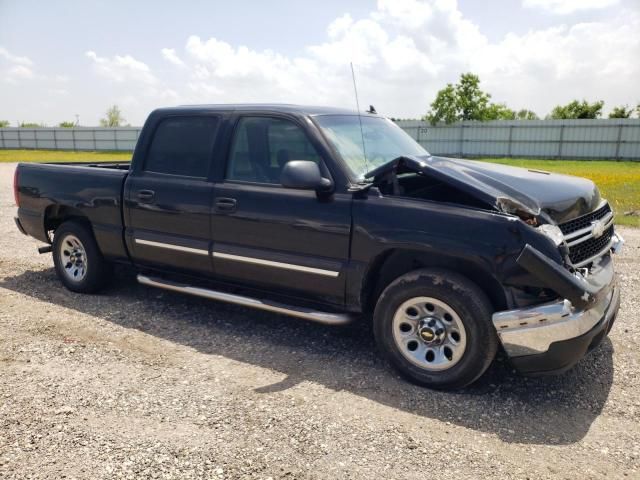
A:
(182, 146)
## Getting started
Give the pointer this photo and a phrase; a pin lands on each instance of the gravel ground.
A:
(141, 383)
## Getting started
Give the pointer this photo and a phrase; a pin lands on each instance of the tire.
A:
(434, 326)
(78, 261)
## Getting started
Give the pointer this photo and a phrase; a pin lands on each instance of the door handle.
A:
(146, 195)
(225, 205)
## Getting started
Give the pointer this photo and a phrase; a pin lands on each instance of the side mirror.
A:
(304, 175)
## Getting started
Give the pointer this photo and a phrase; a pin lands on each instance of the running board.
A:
(299, 312)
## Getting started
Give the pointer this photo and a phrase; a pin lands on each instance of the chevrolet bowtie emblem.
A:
(427, 334)
(597, 228)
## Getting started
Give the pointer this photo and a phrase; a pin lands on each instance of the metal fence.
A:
(582, 139)
(81, 138)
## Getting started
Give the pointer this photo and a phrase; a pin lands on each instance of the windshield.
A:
(383, 141)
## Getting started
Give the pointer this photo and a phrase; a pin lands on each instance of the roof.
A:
(271, 107)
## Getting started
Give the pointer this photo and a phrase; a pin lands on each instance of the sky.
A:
(69, 58)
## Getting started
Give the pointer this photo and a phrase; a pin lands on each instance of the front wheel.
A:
(434, 327)
(77, 258)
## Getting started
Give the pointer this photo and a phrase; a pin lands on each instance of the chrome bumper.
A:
(532, 330)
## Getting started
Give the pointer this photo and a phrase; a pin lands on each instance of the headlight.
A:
(552, 232)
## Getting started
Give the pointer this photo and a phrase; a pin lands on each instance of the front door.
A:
(267, 235)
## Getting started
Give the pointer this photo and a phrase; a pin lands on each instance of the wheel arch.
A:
(393, 263)
(55, 215)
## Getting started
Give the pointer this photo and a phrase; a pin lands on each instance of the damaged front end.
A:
(568, 212)
(554, 336)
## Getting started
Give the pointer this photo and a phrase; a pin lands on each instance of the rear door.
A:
(168, 196)
(265, 235)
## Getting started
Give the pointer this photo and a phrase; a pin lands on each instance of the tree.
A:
(471, 101)
(444, 107)
(576, 109)
(498, 111)
(638, 110)
(67, 124)
(32, 125)
(4, 123)
(621, 112)
(466, 101)
(525, 114)
(113, 117)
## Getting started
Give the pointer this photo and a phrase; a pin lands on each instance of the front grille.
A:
(584, 221)
(590, 247)
(583, 245)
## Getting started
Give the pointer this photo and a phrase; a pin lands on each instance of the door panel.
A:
(287, 239)
(172, 230)
(266, 236)
(168, 196)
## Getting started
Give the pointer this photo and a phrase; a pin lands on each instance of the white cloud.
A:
(122, 68)
(170, 55)
(411, 13)
(406, 50)
(339, 26)
(16, 68)
(403, 52)
(20, 72)
(563, 7)
(11, 58)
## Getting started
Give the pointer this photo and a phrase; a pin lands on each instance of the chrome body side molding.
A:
(172, 246)
(239, 258)
(270, 263)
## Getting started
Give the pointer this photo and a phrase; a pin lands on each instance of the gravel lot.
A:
(141, 383)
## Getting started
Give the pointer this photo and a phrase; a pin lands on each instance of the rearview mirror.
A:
(304, 175)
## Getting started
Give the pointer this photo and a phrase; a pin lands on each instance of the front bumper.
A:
(552, 337)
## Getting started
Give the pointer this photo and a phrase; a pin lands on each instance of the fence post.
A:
(19, 139)
(115, 138)
(419, 127)
(73, 138)
(2, 137)
(55, 139)
(561, 141)
(461, 138)
(619, 141)
(509, 154)
(93, 134)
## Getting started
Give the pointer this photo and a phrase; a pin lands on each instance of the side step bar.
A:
(300, 312)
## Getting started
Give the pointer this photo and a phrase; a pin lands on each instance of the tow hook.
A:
(45, 249)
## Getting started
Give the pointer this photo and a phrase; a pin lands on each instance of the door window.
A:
(182, 146)
(262, 146)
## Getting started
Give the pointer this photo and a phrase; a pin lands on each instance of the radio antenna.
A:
(355, 89)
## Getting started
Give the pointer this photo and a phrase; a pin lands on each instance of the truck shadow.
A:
(546, 410)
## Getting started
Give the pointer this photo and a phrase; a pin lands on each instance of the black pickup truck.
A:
(329, 215)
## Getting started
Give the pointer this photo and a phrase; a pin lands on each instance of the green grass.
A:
(619, 182)
(62, 156)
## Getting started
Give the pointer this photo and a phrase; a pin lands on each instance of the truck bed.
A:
(91, 190)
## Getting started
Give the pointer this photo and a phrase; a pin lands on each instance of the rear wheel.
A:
(434, 326)
(78, 260)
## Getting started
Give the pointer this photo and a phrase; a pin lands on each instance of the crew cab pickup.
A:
(328, 215)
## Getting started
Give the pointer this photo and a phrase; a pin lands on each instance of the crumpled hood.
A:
(557, 197)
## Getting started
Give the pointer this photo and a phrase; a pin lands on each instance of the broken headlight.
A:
(552, 232)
